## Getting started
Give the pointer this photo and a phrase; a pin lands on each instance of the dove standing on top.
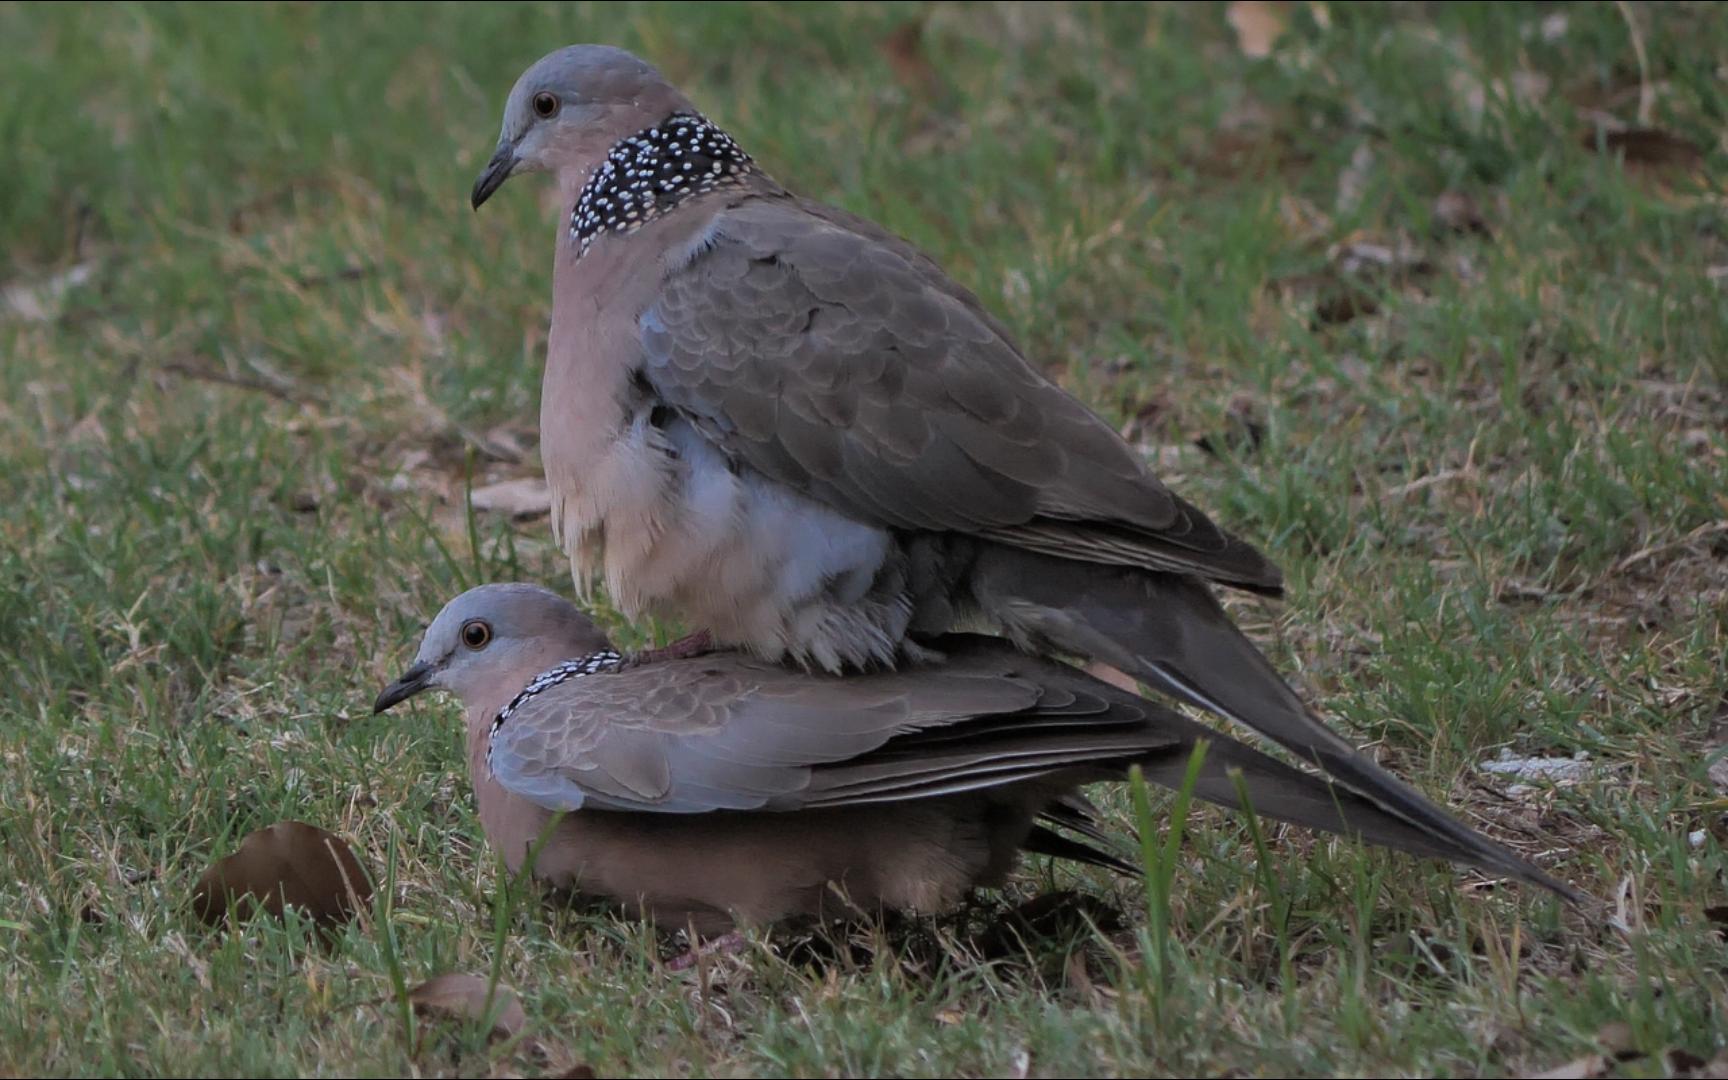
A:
(791, 429)
(722, 787)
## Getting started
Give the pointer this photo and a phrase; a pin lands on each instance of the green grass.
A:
(233, 465)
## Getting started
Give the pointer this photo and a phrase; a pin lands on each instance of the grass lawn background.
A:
(1431, 303)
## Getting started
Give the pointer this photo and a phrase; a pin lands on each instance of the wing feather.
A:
(836, 360)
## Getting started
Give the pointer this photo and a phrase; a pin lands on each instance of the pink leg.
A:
(685, 647)
(730, 942)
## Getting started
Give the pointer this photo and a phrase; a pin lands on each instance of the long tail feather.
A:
(1171, 633)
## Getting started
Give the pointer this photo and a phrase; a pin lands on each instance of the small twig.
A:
(1706, 529)
(487, 445)
(1646, 92)
(243, 382)
(351, 272)
(1493, 791)
(1442, 477)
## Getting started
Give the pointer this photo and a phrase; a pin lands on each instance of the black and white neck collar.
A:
(593, 663)
(652, 171)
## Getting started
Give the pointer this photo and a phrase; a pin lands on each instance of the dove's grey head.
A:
(489, 642)
(570, 108)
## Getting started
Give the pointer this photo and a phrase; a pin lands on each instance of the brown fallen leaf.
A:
(1617, 1043)
(1258, 25)
(1647, 147)
(509, 442)
(1616, 1040)
(1717, 916)
(524, 497)
(1589, 1067)
(904, 50)
(1458, 212)
(458, 996)
(288, 864)
(41, 301)
(1332, 297)
(1078, 979)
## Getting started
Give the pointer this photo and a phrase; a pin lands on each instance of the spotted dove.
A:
(778, 422)
(725, 787)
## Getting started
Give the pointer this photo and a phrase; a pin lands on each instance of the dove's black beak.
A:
(497, 171)
(414, 680)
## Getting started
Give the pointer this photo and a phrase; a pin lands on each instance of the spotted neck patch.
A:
(605, 660)
(652, 171)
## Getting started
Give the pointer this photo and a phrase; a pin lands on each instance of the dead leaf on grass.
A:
(1342, 302)
(1648, 148)
(1616, 1040)
(904, 50)
(1336, 299)
(1617, 1045)
(288, 864)
(1458, 212)
(458, 996)
(1588, 1067)
(1714, 1069)
(524, 497)
(1258, 25)
(41, 301)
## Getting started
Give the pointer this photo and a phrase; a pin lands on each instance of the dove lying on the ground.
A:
(790, 429)
(724, 787)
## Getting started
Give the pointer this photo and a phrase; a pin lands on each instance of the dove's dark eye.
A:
(545, 104)
(476, 633)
